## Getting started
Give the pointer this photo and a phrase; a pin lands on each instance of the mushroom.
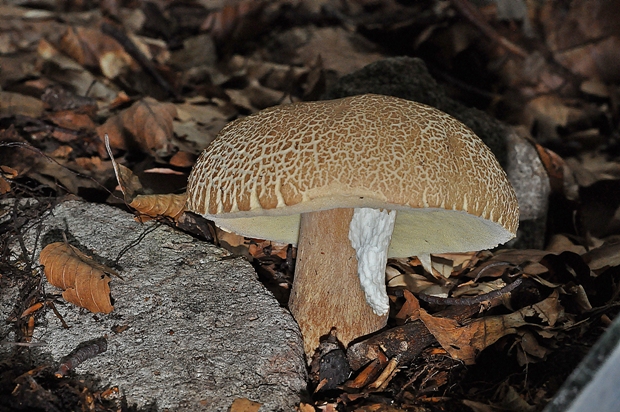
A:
(352, 182)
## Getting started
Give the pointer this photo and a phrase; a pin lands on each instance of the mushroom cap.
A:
(366, 151)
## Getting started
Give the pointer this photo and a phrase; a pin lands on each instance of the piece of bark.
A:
(406, 341)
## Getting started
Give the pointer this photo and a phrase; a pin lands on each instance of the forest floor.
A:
(162, 78)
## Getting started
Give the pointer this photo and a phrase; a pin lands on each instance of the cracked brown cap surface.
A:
(263, 171)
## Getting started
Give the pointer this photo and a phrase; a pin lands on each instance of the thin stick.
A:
(470, 300)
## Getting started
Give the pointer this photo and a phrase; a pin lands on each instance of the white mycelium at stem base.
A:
(370, 232)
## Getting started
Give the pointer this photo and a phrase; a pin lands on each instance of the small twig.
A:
(135, 242)
(80, 354)
(471, 13)
(26, 344)
(470, 300)
(386, 375)
(20, 238)
(51, 305)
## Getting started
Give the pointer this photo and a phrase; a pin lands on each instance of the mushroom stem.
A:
(326, 290)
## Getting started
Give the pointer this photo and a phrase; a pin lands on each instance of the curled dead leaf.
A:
(410, 310)
(85, 282)
(12, 104)
(604, 257)
(183, 159)
(165, 205)
(146, 124)
(92, 48)
(72, 120)
(464, 342)
(244, 405)
(6, 174)
(231, 18)
(149, 206)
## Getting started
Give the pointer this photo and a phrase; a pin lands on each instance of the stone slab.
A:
(192, 329)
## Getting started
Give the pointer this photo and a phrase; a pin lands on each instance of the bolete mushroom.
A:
(352, 182)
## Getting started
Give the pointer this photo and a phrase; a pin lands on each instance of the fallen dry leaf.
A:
(529, 348)
(147, 124)
(62, 152)
(554, 166)
(61, 176)
(410, 310)
(478, 406)
(232, 242)
(72, 120)
(128, 183)
(229, 19)
(92, 48)
(340, 50)
(560, 243)
(305, 407)
(153, 206)
(59, 99)
(12, 104)
(603, 257)
(261, 248)
(70, 73)
(183, 159)
(370, 372)
(551, 111)
(85, 282)
(6, 172)
(582, 37)
(465, 342)
(244, 405)
(164, 205)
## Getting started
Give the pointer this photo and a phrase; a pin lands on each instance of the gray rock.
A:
(408, 78)
(199, 329)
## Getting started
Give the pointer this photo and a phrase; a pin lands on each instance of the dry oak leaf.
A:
(603, 257)
(147, 125)
(5, 186)
(84, 281)
(465, 342)
(163, 205)
(72, 120)
(244, 405)
(12, 104)
(6, 172)
(183, 159)
(152, 206)
(91, 48)
(128, 182)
